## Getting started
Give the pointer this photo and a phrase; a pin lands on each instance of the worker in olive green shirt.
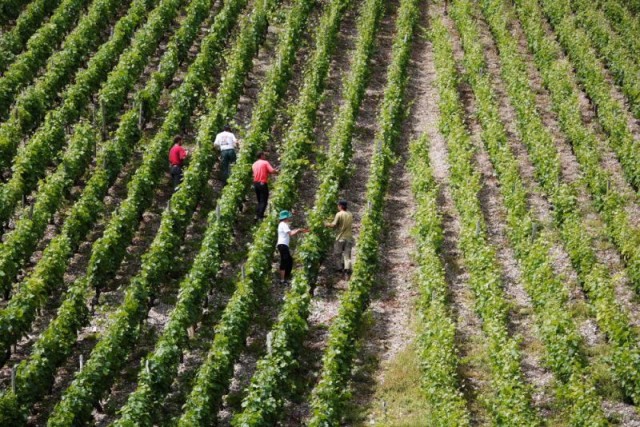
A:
(344, 237)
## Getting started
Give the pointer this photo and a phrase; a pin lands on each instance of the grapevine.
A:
(625, 24)
(10, 9)
(590, 75)
(32, 158)
(511, 400)
(38, 49)
(593, 276)
(215, 372)
(32, 104)
(330, 392)
(618, 58)
(436, 328)
(163, 363)
(35, 374)
(271, 381)
(95, 378)
(17, 317)
(558, 330)
(13, 41)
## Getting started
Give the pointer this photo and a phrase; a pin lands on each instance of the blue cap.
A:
(285, 215)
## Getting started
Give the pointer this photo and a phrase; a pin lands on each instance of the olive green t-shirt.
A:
(342, 222)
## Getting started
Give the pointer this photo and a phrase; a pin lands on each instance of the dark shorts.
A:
(286, 261)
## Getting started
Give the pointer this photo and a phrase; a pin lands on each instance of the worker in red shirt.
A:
(177, 156)
(261, 171)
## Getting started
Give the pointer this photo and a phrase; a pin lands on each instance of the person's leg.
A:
(224, 165)
(228, 158)
(285, 256)
(265, 201)
(173, 177)
(176, 176)
(288, 264)
(232, 160)
(338, 248)
(346, 257)
(256, 187)
(263, 198)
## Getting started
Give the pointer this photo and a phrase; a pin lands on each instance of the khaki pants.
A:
(343, 249)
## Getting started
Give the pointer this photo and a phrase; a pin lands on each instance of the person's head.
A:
(342, 205)
(227, 128)
(262, 155)
(285, 216)
(177, 139)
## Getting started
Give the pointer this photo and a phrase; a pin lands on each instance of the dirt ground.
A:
(389, 330)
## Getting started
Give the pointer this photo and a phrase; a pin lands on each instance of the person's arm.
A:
(332, 224)
(298, 230)
(271, 169)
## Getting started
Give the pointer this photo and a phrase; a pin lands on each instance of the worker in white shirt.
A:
(284, 235)
(226, 143)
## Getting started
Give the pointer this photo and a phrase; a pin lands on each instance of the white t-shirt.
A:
(283, 233)
(225, 140)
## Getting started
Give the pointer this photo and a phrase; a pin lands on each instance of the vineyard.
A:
(489, 151)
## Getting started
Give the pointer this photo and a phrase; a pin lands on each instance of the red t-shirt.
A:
(177, 154)
(261, 171)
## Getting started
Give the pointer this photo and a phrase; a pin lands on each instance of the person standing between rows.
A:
(284, 236)
(226, 143)
(177, 156)
(261, 171)
(343, 222)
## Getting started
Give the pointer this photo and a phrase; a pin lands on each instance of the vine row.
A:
(110, 249)
(271, 382)
(110, 353)
(593, 276)
(436, 337)
(610, 113)
(215, 373)
(154, 383)
(80, 41)
(9, 9)
(329, 395)
(35, 375)
(624, 23)
(13, 41)
(609, 202)
(12, 130)
(550, 298)
(128, 130)
(611, 46)
(18, 244)
(18, 315)
(38, 49)
(33, 103)
(30, 162)
(510, 401)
